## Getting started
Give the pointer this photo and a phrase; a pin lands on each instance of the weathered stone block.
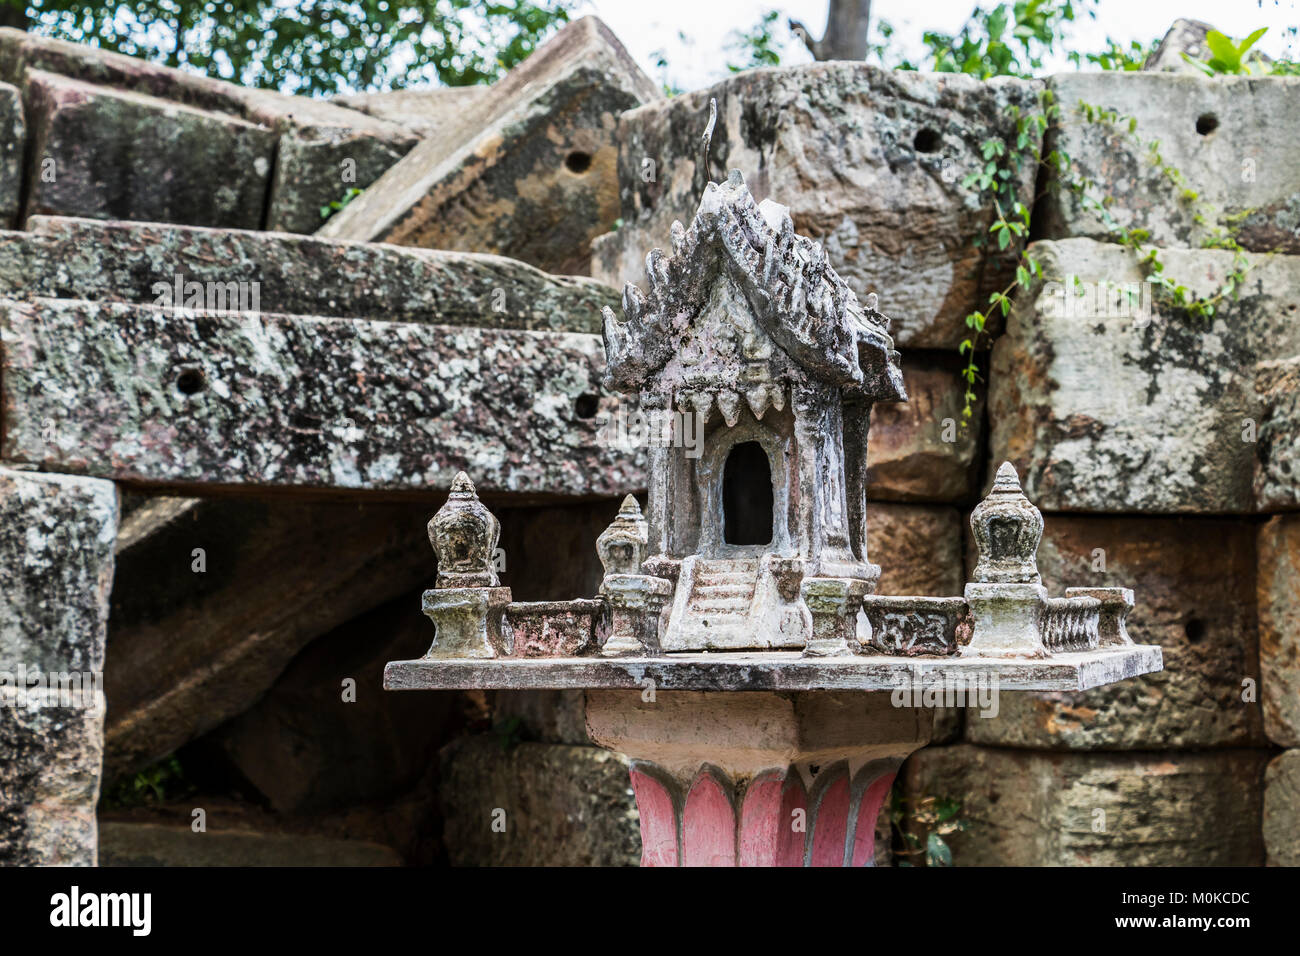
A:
(1098, 809)
(425, 112)
(1279, 628)
(918, 548)
(300, 275)
(548, 716)
(917, 450)
(554, 805)
(13, 136)
(869, 161)
(315, 138)
(21, 52)
(1183, 36)
(323, 150)
(1201, 613)
(210, 609)
(1282, 810)
(1103, 407)
(177, 398)
(1277, 452)
(49, 782)
(317, 742)
(126, 843)
(1233, 139)
(57, 556)
(109, 154)
(317, 165)
(56, 561)
(530, 172)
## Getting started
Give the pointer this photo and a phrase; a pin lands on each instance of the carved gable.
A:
(723, 346)
(742, 303)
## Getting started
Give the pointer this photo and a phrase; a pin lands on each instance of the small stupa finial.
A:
(622, 545)
(1007, 529)
(464, 536)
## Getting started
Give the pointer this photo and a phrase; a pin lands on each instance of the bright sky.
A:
(693, 34)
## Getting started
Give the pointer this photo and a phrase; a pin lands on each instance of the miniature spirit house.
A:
(737, 653)
(747, 327)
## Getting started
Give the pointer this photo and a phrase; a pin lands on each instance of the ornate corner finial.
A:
(622, 545)
(702, 177)
(1007, 529)
(464, 536)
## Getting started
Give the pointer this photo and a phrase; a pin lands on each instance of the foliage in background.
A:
(1118, 57)
(1229, 54)
(756, 46)
(314, 47)
(331, 208)
(510, 733)
(159, 783)
(1003, 40)
(929, 820)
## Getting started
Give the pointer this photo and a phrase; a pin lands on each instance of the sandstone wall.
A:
(1162, 453)
(1138, 431)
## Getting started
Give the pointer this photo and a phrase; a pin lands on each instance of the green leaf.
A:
(1221, 46)
(937, 852)
(1250, 40)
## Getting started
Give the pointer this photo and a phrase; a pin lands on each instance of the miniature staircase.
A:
(723, 589)
(713, 609)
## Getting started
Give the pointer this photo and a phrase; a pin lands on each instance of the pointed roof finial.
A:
(461, 485)
(630, 508)
(702, 176)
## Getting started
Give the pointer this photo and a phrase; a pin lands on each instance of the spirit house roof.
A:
(742, 260)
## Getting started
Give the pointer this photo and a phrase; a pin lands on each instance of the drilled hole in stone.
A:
(586, 406)
(1194, 629)
(190, 381)
(577, 162)
(927, 141)
(1206, 123)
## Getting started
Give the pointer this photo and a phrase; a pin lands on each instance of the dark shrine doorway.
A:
(747, 495)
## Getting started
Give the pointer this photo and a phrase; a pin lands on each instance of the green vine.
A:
(997, 182)
(1170, 292)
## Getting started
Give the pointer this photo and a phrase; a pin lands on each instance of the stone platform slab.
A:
(777, 671)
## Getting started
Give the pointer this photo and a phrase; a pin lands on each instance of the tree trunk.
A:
(846, 31)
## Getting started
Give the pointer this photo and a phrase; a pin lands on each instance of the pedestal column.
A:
(758, 778)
